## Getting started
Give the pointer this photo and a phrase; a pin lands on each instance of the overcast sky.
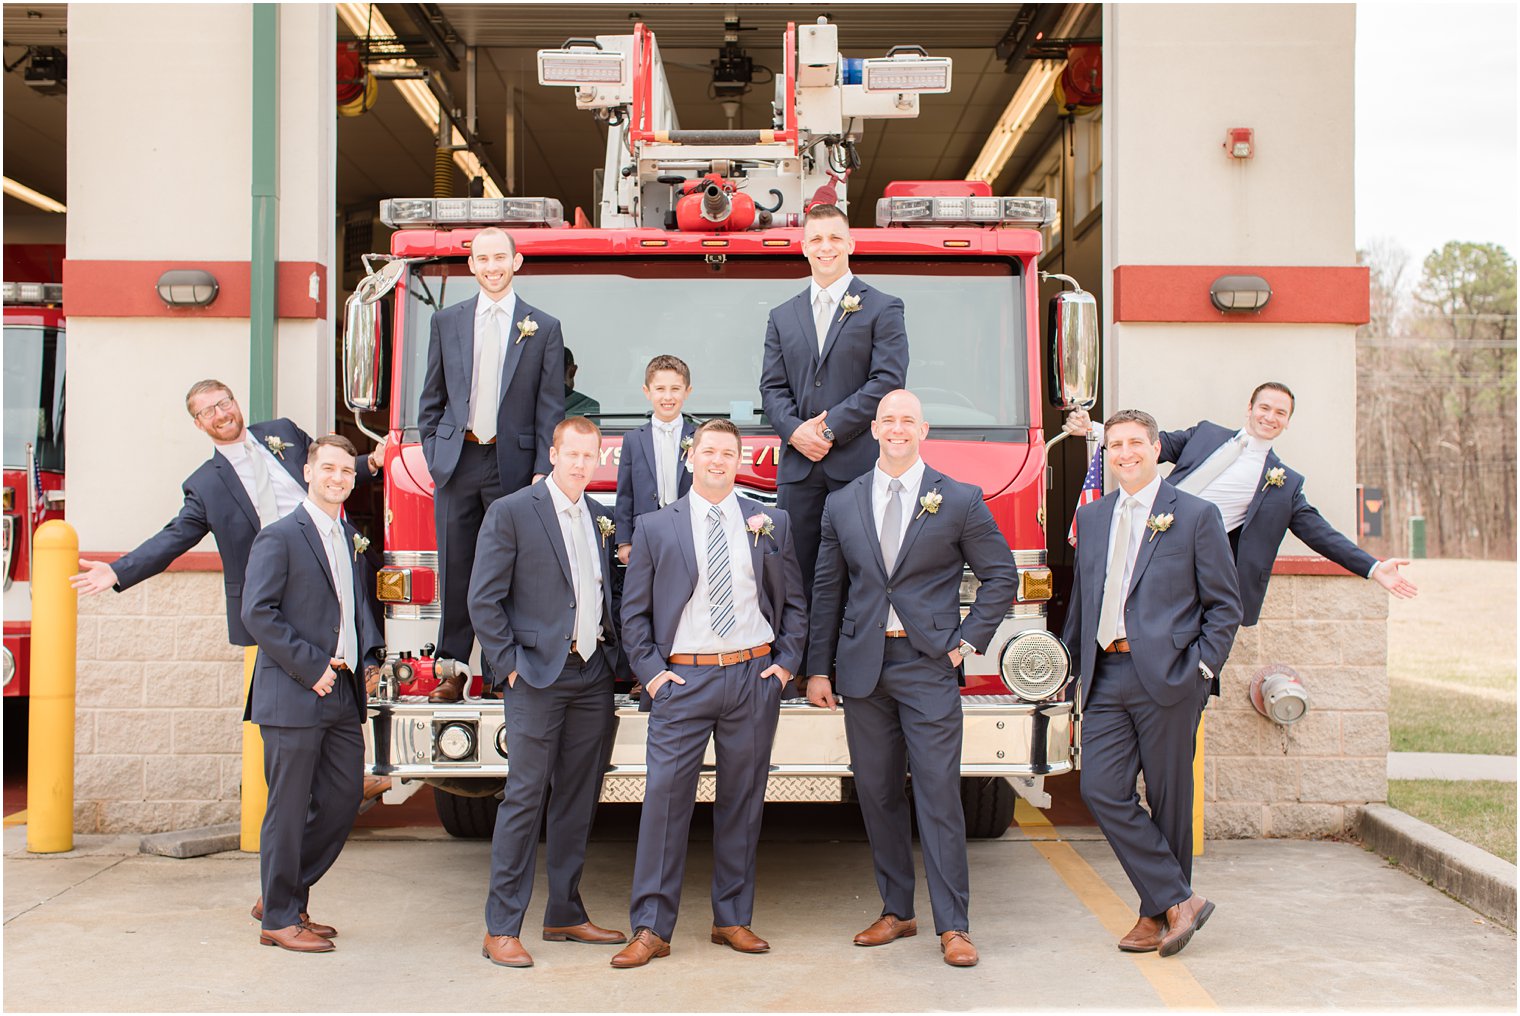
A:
(1435, 125)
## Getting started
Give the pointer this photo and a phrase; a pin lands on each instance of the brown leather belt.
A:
(469, 436)
(1119, 646)
(720, 659)
(897, 634)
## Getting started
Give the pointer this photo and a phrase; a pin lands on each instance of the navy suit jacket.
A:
(638, 491)
(662, 575)
(290, 606)
(215, 502)
(1183, 606)
(1273, 512)
(532, 394)
(527, 625)
(852, 590)
(864, 357)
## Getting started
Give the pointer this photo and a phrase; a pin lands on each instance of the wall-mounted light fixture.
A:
(1240, 292)
(1277, 694)
(1240, 142)
(187, 287)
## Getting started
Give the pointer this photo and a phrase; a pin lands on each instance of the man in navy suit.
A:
(1154, 608)
(886, 622)
(1260, 499)
(714, 617)
(831, 353)
(253, 478)
(493, 393)
(543, 606)
(652, 466)
(309, 604)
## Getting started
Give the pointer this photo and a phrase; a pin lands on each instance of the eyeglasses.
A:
(220, 407)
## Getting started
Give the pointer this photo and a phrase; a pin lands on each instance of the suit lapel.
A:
(292, 466)
(515, 347)
(1272, 462)
(684, 536)
(229, 478)
(806, 328)
(462, 340)
(748, 508)
(856, 288)
(314, 541)
(1096, 546)
(915, 508)
(543, 502)
(608, 552)
(1165, 498)
(683, 476)
(868, 520)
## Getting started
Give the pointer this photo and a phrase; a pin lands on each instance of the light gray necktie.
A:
(263, 486)
(588, 606)
(665, 462)
(823, 307)
(891, 525)
(343, 580)
(1209, 470)
(1113, 582)
(488, 381)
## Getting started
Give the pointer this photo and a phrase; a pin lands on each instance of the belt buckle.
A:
(729, 659)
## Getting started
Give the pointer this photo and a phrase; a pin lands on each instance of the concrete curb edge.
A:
(1479, 879)
(197, 842)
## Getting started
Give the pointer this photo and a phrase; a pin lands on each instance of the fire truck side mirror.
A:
(1072, 334)
(365, 327)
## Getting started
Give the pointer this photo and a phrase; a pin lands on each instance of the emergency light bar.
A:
(952, 211)
(580, 67)
(905, 73)
(33, 292)
(401, 213)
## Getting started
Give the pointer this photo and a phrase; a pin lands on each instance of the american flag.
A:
(1092, 489)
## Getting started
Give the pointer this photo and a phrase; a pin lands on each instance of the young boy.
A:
(652, 468)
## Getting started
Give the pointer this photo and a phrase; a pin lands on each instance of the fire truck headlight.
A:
(1034, 665)
(580, 66)
(501, 740)
(905, 73)
(10, 667)
(456, 741)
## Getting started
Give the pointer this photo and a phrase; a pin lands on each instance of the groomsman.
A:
(542, 603)
(308, 602)
(652, 467)
(886, 621)
(831, 353)
(713, 624)
(493, 393)
(1154, 608)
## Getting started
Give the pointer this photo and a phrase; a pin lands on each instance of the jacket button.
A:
(337, 631)
(567, 638)
(817, 384)
(883, 624)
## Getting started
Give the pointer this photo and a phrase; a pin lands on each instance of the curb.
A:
(1477, 878)
(196, 842)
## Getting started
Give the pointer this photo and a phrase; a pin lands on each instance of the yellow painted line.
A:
(16, 818)
(1172, 981)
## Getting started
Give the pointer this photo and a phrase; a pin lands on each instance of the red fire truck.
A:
(697, 235)
(33, 453)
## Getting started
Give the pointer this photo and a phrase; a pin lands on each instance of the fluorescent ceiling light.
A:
(21, 192)
(1032, 94)
(366, 21)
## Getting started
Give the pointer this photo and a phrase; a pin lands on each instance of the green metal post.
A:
(1417, 536)
(266, 211)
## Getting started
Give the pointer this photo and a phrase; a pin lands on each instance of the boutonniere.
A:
(849, 305)
(605, 527)
(361, 544)
(277, 446)
(1275, 477)
(686, 444)
(526, 329)
(760, 524)
(1159, 524)
(930, 503)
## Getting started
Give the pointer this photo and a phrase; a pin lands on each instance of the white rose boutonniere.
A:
(1159, 524)
(685, 444)
(526, 329)
(605, 527)
(849, 305)
(760, 524)
(930, 503)
(1275, 477)
(277, 446)
(361, 544)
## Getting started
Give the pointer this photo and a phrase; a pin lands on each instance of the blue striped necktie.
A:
(720, 584)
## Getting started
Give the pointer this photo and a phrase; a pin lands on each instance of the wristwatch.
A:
(828, 434)
(967, 649)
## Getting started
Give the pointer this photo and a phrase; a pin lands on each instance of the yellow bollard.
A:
(1198, 791)
(50, 739)
(255, 793)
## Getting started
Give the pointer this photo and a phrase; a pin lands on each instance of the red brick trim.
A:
(192, 560)
(1309, 564)
(128, 289)
(1300, 295)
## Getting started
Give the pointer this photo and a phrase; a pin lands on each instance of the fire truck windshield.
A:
(33, 395)
(965, 319)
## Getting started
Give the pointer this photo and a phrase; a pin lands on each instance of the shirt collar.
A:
(668, 428)
(729, 506)
(836, 292)
(1253, 443)
(324, 521)
(561, 501)
(507, 303)
(911, 479)
(1146, 495)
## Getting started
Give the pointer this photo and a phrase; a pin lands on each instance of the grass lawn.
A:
(1480, 812)
(1426, 718)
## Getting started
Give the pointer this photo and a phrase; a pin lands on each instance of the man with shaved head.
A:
(886, 622)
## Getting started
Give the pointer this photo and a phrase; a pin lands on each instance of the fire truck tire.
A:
(466, 818)
(988, 803)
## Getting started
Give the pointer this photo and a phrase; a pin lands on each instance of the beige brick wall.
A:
(159, 703)
(1263, 779)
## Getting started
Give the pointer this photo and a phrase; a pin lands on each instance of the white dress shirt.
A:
(342, 569)
(837, 292)
(486, 330)
(910, 507)
(666, 439)
(1137, 533)
(1234, 489)
(694, 632)
(287, 493)
(586, 542)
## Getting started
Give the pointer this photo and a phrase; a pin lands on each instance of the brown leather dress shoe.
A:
(646, 945)
(505, 951)
(1182, 920)
(587, 933)
(320, 930)
(450, 689)
(1145, 936)
(296, 939)
(958, 950)
(740, 939)
(887, 928)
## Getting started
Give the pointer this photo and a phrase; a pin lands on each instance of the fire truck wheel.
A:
(467, 818)
(988, 803)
